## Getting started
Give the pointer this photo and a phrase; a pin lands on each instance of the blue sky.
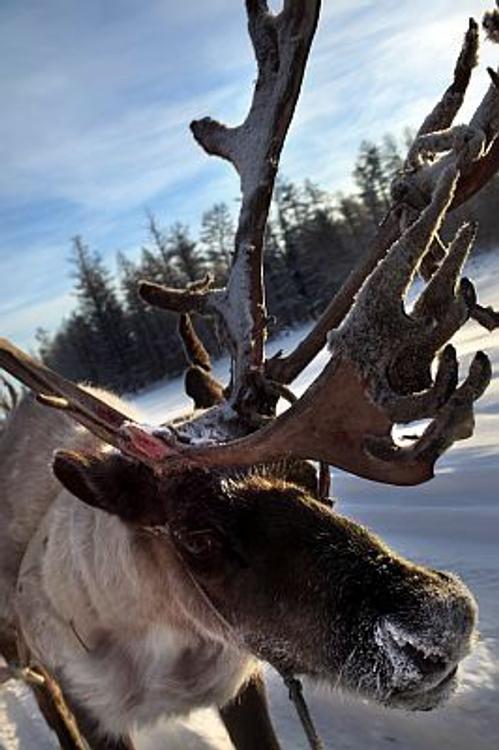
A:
(97, 97)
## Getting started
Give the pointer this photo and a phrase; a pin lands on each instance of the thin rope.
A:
(295, 691)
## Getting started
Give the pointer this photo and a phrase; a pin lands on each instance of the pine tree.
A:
(372, 181)
(159, 259)
(99, 307)
(144, 324)
(291, 212)
(391, 159)
(217, 240)
(284, 308)
(188, 260)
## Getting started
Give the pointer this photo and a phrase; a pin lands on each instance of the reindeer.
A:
(152, 569)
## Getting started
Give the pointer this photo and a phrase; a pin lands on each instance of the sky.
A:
(97, 98)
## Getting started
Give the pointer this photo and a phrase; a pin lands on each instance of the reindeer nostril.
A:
(408, 648)
(427, 663)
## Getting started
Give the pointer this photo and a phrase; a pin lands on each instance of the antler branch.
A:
(99, 417)
(476, 151)
(281, 44)
(443, 114)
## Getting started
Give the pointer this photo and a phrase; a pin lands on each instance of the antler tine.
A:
(100, 418)
(281, 45)
(194, 349)
(390, 279)
(442, 285)
(443, 114)
(177, 300)
(442, 308)
(394, 351)
(56, 390)
(411, 367)
(427, 402)
(403, 348)
(455, 421)
(486, 316)
(473, 146)
(377, 327)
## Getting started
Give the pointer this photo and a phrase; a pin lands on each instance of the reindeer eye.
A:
(202, 544)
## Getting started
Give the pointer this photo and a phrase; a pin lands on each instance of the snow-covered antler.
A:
(379, 372)
(412, 191)
(281, 44)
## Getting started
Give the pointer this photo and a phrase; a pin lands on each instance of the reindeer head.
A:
(294, 583)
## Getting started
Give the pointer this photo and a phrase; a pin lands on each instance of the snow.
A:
(451, 523)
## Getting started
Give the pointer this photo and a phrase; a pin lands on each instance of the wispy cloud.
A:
(23, 321)
(97, 97)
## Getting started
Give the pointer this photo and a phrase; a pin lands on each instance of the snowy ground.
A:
(451, 523)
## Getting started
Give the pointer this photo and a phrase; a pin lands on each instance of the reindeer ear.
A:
(108, 481)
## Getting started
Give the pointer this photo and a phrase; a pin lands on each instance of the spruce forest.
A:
(113, 339)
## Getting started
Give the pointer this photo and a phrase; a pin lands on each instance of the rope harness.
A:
(295, 692)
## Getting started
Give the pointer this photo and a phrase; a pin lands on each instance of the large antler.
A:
(379, 373)
(478, 148)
